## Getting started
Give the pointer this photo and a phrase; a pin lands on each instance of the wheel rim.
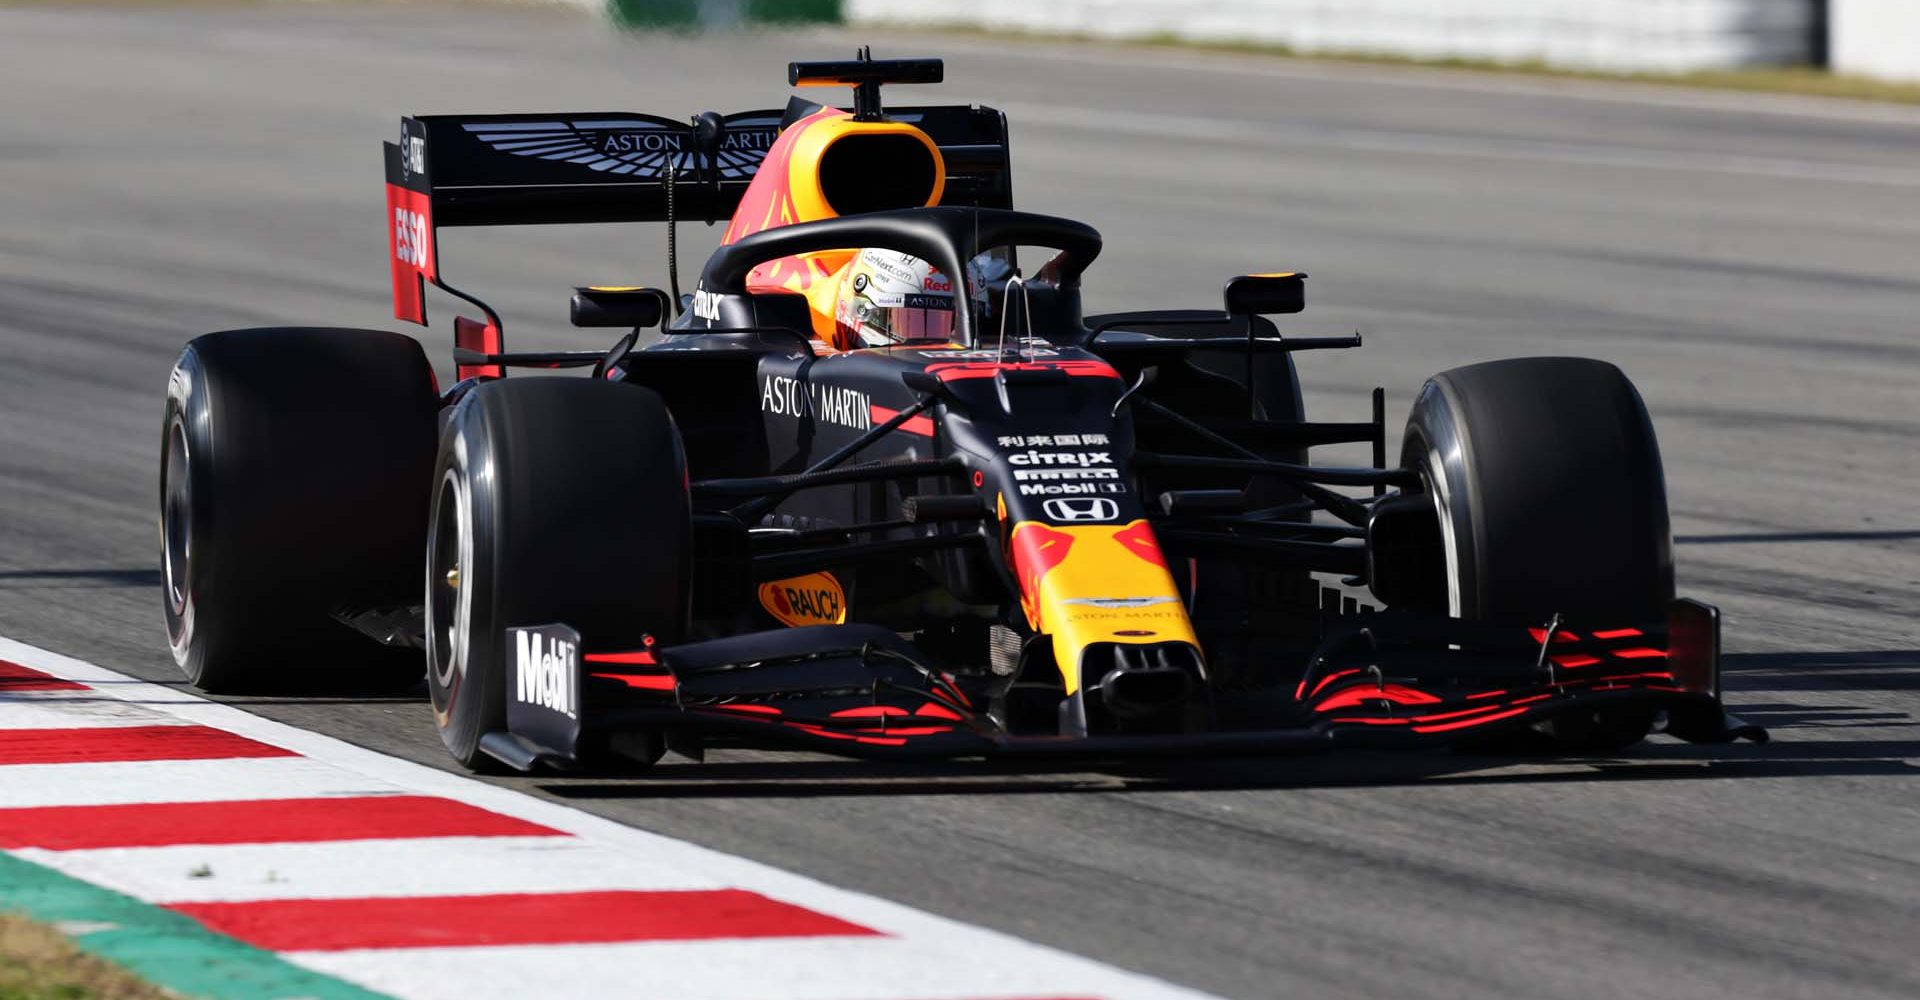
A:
(449, 583)
(176, 523)
(1433, 481)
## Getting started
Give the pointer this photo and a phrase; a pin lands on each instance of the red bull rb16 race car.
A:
(879, 484)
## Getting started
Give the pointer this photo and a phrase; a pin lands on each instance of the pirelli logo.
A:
(1052, 475)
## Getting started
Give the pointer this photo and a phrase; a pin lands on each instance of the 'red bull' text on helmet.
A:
(887, 297)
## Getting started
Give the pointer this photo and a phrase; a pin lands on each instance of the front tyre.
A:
(1547, 484)
(556, 500)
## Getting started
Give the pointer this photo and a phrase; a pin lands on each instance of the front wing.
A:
(1383, 680)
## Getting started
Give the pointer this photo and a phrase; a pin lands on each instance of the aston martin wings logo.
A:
(632, 147)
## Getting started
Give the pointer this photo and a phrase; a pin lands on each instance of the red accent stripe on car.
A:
(263, 821)
(813, 730)
(515, 919)
(1442, 727)
(1361, 694)
(14, 677)
(922, 426)
(1438, 716)
(644, 682)
(961, 370)
(128, 743)
(640, 656)
(952, 688)
(477, 335)
(1138, 539)
(1329, 679)
(410, 248)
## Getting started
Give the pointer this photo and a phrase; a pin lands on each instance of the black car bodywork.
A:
(904, 550)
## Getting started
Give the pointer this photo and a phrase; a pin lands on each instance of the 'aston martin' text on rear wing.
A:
(505, 170)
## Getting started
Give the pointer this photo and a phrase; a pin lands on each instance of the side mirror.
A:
(1267, 294)
(621, 307)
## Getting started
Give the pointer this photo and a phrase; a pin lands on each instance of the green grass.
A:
(64, 939)
(39, 963)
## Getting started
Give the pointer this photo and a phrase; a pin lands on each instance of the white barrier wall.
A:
(1875, 38)
(1647, 35)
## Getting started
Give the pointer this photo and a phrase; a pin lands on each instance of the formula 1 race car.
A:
(876, 488)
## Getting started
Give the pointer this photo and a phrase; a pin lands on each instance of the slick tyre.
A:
(295, 468)
(555, 500)
(1546, 480)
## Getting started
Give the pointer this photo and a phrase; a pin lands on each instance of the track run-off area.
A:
(342, 868)
(1749, 261)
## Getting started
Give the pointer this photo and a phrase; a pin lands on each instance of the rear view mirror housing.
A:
(626, 307)
(1273, 294)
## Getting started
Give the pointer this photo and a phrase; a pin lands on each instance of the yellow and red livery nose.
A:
(1083, 584)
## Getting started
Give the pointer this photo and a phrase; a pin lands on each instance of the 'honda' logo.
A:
(1081, 509)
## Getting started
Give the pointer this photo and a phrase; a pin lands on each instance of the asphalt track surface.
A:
(1749, 261)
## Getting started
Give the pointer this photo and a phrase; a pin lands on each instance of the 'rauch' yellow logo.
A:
(814, 599)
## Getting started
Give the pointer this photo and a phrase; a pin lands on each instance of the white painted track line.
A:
(792, 969)
(365, 868)
(75, 710)
(126, 783)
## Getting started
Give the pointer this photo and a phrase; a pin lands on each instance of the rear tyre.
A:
(293, 483)
(1547, 484)
(556, 500)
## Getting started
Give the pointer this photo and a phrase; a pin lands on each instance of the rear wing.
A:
(509, 170)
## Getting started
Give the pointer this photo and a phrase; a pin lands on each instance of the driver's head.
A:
(888, 297)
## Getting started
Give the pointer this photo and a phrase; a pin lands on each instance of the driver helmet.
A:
(888, 297)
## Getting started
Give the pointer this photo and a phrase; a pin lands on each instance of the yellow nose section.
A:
(1082, 584)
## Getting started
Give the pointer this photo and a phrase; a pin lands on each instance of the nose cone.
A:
(1145, 682)
(1105, 584)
